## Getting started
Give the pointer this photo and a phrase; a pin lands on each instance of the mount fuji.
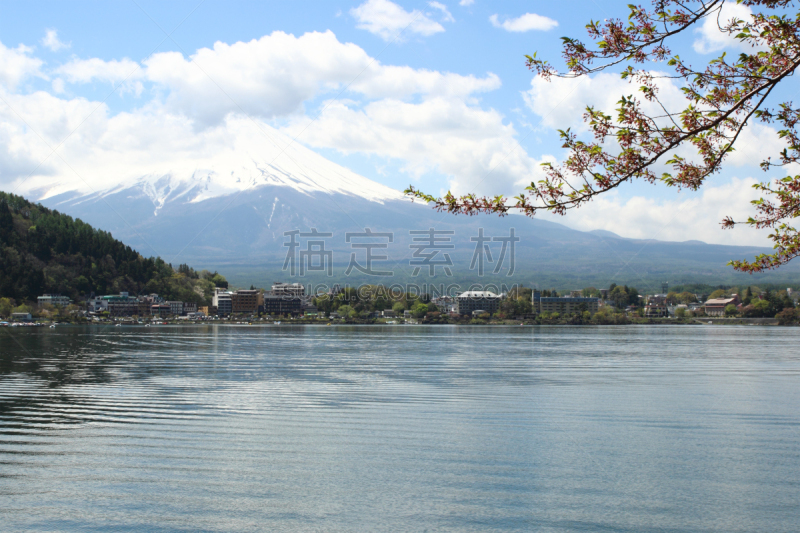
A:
(230, 210)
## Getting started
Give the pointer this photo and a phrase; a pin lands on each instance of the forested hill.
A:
(44, 251)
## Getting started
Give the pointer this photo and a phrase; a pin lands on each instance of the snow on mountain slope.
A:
(249, 156)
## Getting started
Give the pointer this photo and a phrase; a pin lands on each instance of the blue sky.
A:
(430, 93)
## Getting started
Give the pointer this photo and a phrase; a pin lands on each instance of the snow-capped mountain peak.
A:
(194, 175)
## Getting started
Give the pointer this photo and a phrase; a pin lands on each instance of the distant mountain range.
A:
(233, 214)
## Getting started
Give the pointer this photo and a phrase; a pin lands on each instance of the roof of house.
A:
(478, 294)
(720, 301)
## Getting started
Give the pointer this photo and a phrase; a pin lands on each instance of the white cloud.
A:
(471, 146)
(400, 82)
(88, 70)
(125, 73)
(276, 75)
(58, 86)
(389, 21)
(446, 15)
(51, 41)
(466, 2)
(561, 104)
(686, 216)
(711, 38)
(526, 22)
(16, 65)
(269, 77)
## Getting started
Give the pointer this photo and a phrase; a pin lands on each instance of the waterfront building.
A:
(21, 317)
(96, 304)
(563, 305)
(656, 310)
(222, 301)
(246, 301)
(175, 308)
(445, 304)
(470, 301)
(290, 290)
(282, 305)
(122, 304)
(143, 308)
(716, 306)
(54, 300)
(161, 310)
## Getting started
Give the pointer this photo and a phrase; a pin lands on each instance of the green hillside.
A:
(44, 251)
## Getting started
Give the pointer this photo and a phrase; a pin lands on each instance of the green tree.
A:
(619, 296)
(672, 298)
(731, 310)
(419, 310)
(759, 308)
(6, 307)
(398, 308)
(787, 316)
(687, 297)
(346, 311)
(747, 296)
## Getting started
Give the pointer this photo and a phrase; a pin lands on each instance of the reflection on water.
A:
(400, 429)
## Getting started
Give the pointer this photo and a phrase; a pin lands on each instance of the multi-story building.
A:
(656, 310)
(282, 305)
(189, 307)
(54, 299)
(470, 301)
(291, 290)
(122, 305)
(246, 301)
(563, 305)
(445, 304)
(716, 306)
(175, 308)
(161, 310)
(144, 307)
(97, 304)
(222, 301)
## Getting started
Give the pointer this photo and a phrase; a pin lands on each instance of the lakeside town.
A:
(377, 304)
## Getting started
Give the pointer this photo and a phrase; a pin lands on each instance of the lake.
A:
(400, 428)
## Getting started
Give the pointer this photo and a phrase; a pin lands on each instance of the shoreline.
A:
(705, 321)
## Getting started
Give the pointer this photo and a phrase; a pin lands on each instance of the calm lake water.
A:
(287, 428)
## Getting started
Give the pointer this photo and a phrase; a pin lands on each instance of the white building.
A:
(98, 304)
(222, 301)
(289, 290)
